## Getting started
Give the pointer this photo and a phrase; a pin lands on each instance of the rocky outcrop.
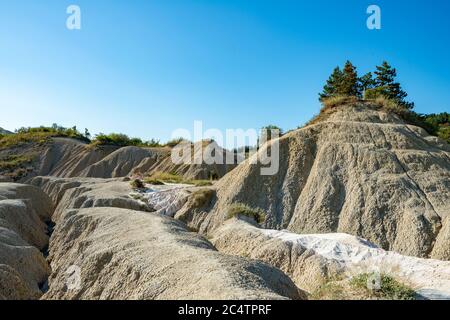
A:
(361, 171)
(23, 235)
(101, 251)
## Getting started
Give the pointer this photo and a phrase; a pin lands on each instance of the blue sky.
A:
(146, 68)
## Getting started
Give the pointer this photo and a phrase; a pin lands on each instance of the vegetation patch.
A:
(202, 197)
(365, 286)
(159, 178)
(238, 209)
(40, 135)
(387, 288)
(345, 87)
(137, 184)
(16, 166)
(15, 161)
(122, 140)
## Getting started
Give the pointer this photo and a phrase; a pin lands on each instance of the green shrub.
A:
(389, 287)
(237, 209)
(40, 135)
(444, 133)
(122, 140)
(202, 197)
(137, 184)
(116, 139)
(439, 124)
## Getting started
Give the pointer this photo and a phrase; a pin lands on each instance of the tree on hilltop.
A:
(366, 82)
(343, 82)
(333, 85)
(386, 85)
(350, 81)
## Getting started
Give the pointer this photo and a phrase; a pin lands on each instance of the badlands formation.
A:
(358, 191)
(65, 157)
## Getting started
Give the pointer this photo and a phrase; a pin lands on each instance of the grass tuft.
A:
(237, 209)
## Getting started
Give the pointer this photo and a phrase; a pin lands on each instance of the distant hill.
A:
(3, 131)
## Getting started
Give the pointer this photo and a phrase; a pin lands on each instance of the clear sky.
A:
(146, 68)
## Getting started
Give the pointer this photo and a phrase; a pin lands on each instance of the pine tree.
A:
(333, 85)
(349, 85)
(366, 82)
(385, 83)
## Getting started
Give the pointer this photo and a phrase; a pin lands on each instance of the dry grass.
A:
(336, 101)
(330, 105)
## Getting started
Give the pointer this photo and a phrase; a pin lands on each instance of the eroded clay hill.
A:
(125, 252)
(64, 157)
(360, 171)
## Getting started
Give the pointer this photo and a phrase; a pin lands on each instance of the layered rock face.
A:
(23, 235)
(127, 253)
(361, 171)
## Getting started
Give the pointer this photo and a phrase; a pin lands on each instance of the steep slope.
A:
(361, 171)
(23, 233)
(70, 158)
